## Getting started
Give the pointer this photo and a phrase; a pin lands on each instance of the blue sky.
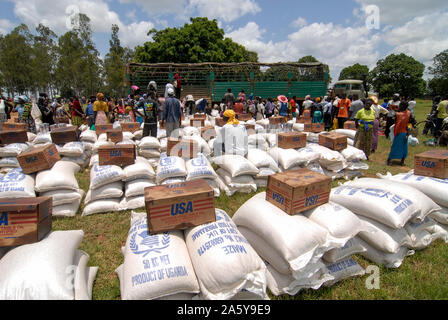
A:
(335, 32)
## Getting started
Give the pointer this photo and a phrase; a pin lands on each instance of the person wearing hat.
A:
(190, 105)
(172, 114)
(152, 87)
(283, 105)
(317, 112)
(100, 110)
(232, 138)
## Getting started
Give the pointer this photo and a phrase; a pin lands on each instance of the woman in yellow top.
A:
(100, 110)
(364, 124)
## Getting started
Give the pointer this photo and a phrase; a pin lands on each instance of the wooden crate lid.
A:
(300, 177)
(176, 190)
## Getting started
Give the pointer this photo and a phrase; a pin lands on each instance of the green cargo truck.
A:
(212, 80)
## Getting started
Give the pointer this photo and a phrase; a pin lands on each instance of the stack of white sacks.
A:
(107, 183)
(399, 214)
(51, 269)
(16, 184)
(212, 261)
(300, 251)
(8, 155)
(236, 174)
(436, 189)
(60, 183)
(201, 168)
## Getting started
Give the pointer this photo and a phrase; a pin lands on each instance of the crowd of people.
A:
(148, 107)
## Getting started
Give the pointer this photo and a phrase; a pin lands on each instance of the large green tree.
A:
(16, 60)
(44, 61)
(438, 85)
(311, 59)
(398, 73)
(201, 40)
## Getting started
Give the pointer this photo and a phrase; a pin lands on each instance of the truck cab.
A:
(350, 88)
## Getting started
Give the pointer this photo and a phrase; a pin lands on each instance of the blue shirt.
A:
(172, 111)
(283, 109)
(89, 110)
(385, 105)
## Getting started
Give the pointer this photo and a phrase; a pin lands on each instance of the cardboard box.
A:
(314, 127)
(179, 206)
(119, 155)
(277, 120)
(208, 133)
(195, 122)
(25, 220)
(220, 122)
(14, 126)
(187, 149)
(432, 163)
(39, 158)
(303, 120)
(291, 140)
(244, 117)
(102, 128)
(13, 136)
(200, 116)
(306, 115)
(130, 126)
(63, 135)
(114, 135)
(333, 141)
(299, 190)
(350, 125)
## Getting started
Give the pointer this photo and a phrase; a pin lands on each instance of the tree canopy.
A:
(199, 41)
(438, 85)
(398, 73)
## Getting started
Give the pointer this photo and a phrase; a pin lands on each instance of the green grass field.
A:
(421, 276)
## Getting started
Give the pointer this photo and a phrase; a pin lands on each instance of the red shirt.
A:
(293, 105)
(402, 122)
(238, 107)
(178, 78)
(76, 106)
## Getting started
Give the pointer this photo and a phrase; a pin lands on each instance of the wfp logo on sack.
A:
(13, 176)
(199, 161)
(181, 208)
(168, 161)
(144, 243)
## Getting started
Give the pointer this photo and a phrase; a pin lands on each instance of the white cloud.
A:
(157, 7)
(55, 15)
(226, 10)
(5, 26)
(422, 38)
(299, 23)
(334, 45)
(397, 12)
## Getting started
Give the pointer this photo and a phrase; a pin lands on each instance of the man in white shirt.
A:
(411, 105)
